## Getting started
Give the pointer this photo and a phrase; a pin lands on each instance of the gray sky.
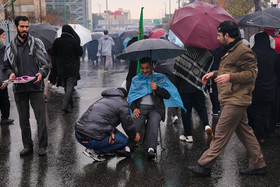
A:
(152, 8)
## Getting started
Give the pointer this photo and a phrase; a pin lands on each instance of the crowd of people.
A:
(242, 81)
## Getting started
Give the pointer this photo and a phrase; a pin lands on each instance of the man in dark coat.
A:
(265, 86)
(4, 97)
(67, 52)
(96, 129)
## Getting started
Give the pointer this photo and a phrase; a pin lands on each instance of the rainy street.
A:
(65, 164)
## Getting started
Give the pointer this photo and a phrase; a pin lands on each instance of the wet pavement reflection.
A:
(65, 164)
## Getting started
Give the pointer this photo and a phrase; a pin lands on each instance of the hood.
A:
(112, 92)
(67, 29)
(106, 37)
(262, 40)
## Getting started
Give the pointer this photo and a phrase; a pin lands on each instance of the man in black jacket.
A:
(4, 96)
(96, 129)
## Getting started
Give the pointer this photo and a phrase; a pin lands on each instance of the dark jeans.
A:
(37, 102)
(103, 146)
(69, 85)
(194, 100)
(4, 103)
(147, 112)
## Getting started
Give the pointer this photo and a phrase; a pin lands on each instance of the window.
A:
(27, 8)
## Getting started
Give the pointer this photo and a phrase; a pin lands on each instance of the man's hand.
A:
(39, 78)
(206, 77)
(137, 137)
(3, 86)
(153, 86)
(136, 113)
(12, 76)
(222, 79)
(112, 139)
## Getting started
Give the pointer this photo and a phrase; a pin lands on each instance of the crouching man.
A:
(96, 129)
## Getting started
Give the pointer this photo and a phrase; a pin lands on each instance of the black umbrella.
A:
(43, 31)
(260, 19)
(96, 35)
(156, 49)
(129, 33)
(273, 11)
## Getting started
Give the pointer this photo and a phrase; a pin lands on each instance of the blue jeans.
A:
(103, 146)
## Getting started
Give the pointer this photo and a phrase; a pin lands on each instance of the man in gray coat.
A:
(105, 46)
(96, 129)
(27, 56)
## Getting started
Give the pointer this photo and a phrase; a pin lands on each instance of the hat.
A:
(123, 90)
(1, 31)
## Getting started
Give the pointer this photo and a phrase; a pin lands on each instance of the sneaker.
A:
(209, 133)
(175, 119)
(124, 153)
(188, 139)
(200, 170)
(151, 153)
(6, 121)
(251, 171)
(96, 157)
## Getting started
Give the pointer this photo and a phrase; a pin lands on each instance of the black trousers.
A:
(194, 100)
(4, 103)
(36, 99)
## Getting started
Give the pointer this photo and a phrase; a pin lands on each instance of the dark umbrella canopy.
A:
(196, 24)
(43, 31)
(260, 19)
(129, 33)
(96, 35)
(156, 49)
(273, 11)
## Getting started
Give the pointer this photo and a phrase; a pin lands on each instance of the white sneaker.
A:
(209, 133)
(91, 154)
(189, 139)
(175, 119)
(182, 138)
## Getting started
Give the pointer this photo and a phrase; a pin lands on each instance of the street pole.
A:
(107, 15)
(13, 9)
(169, 8)
(64, 11)
(178, 4)
(164, 9)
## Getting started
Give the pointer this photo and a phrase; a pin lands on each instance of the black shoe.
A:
(124, 153)
(26, 151)
(151, 154)
(250, 171)
(200, 170)
(42, 151)
(7, 121)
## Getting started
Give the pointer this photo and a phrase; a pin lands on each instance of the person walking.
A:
(27, 56)
(4, 96)
(265, 87)
(96, 129)
(67, 52)
(235, 80)
(105, 46)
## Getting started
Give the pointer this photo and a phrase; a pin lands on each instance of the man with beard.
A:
(235, 79)
(26, 56)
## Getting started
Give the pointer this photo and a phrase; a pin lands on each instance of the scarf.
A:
(230, 45)
(193, 65)
(37, 50)
(140, 87)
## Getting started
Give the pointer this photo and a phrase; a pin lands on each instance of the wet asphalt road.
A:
(65, 164)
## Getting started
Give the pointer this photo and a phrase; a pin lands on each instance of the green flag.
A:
(140, 35)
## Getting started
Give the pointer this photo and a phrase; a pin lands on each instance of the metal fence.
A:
(9, 28)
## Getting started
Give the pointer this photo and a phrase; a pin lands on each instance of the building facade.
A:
(35, 10)
(80, 10)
